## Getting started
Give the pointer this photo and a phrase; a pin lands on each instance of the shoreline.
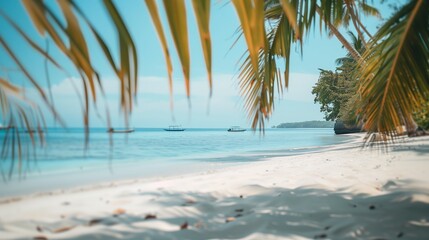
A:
(342, 193)
(105, 175)
(215, 166)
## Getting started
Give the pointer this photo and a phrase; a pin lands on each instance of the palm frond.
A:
(33, 81)
(260, 76)
(202, 13)
(76, 49)
(33, 44)
(153, 10)
(368, 10)
(48, 22)
(289, 9)
(20, 114)
(259, 88)
(251, 15)
(176, 15)
(128, 70)
(395, 77)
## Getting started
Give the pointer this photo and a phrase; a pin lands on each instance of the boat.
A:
(5, 127)
(32, 131)
(111, 130)
(236, 129)
(174, 128)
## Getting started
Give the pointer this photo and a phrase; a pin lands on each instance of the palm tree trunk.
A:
(340, 37)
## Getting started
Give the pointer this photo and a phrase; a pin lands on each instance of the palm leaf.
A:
(18, 112)
(290, 12)
(395, 77)
(202, 13)
(78, 45)
(31, 42)
(128, 61)
(176, 15)
(368, 10)
(258, 89)
(48, 22)
(288, 21)
(153, 10)
(39, 89)
(251, 15)
(9, 86)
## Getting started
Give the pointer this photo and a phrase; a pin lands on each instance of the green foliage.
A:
(334, 91)
(326, 94)
(422, 117)
(307, 124)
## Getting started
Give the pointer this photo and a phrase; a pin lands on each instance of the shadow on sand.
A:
(258, 212)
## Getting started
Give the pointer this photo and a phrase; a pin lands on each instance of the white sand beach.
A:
(344, 192)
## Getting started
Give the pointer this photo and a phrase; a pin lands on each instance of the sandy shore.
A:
(344, 193)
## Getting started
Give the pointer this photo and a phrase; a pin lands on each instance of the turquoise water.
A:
(64, 162)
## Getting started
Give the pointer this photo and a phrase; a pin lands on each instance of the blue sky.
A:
(222, 110)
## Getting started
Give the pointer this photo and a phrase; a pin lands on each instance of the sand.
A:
(344, 192)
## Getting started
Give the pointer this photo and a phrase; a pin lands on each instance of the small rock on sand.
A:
(63, 229)
(184, 226)
(320, 236)
(119, 211)
(94, 221)
(150, 216)
(40, 238)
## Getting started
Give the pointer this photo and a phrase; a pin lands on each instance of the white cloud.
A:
(300, 86)
(153, 108)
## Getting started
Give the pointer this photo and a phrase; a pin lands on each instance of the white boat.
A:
(2, 127)
(236, 129)
(174, 128)
(111, 130)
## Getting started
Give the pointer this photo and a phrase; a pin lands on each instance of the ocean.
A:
(150, 153)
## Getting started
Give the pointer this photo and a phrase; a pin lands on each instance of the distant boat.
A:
(174, 128)
(5, 127)
(111, 130)
(32, 130)
(236, 129)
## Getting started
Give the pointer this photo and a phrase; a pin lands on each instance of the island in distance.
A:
(307, 124)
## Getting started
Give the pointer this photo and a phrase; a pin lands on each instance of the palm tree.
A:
(352, 11)
(394, 69)
(395, 79)
(357, 44)
(288, 22)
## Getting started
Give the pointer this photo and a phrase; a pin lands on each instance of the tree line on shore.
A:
(306, 124)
